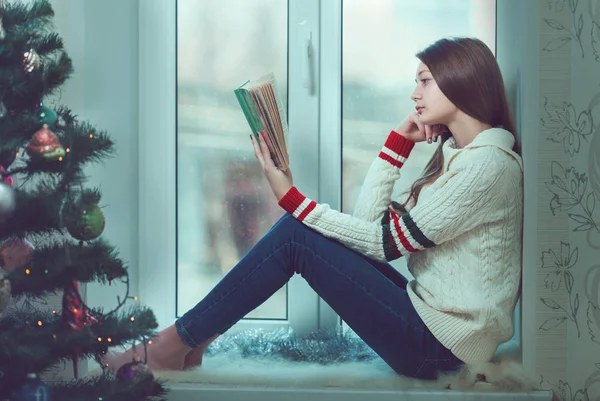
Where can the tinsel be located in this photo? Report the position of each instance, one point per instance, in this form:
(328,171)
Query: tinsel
(322,347)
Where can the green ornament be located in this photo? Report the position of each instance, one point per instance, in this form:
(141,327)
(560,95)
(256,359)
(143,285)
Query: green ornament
(88,225)
(47,116)
(55,154)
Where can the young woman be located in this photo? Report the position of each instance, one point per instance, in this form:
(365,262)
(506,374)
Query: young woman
(459,227)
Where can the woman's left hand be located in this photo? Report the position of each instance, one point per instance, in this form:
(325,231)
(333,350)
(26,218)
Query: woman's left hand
(280,181)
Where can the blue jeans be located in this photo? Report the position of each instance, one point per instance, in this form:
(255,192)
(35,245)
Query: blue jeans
(369,296)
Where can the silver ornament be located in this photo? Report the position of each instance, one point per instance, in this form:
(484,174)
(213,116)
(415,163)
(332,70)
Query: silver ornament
(31,60)
(2,31)
(8,200)
(60,123)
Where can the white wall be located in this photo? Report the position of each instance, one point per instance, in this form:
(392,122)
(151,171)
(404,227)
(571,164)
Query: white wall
(101,36)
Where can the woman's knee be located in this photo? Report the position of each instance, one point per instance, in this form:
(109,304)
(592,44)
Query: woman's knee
(284,229)
(287,222)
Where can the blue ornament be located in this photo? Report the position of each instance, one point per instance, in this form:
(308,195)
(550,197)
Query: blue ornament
(47,116)
(32,389)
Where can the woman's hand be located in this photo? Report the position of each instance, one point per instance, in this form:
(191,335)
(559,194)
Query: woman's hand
(413,129)
(280,181)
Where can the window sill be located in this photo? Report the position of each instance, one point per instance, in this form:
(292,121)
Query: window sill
(207,392)
(227,377)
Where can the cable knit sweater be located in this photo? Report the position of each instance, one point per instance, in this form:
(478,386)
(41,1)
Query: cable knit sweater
(462,239)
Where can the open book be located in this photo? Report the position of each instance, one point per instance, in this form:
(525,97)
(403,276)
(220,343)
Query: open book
(263,108)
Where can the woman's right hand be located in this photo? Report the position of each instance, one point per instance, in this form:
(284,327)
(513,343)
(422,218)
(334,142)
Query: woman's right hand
(413,129)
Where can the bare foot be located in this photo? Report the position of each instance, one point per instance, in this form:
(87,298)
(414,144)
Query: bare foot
(194,357)
(165,352)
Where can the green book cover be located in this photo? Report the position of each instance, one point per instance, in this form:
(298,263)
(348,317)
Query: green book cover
(249,108)
(263,109)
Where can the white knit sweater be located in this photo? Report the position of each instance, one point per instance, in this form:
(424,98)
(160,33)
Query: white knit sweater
(462,239)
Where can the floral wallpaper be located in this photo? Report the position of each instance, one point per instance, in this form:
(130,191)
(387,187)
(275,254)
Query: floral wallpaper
(568,311)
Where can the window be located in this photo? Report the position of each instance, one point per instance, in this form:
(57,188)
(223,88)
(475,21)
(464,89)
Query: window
(224,205)
(347,71)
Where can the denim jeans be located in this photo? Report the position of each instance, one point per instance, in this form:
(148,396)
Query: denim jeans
(370,296)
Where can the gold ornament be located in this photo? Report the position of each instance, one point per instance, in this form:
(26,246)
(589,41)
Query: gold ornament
(31,60)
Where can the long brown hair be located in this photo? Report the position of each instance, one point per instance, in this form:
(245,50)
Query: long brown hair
(468,74)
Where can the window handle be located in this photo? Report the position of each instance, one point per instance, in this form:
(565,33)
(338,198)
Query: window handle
(308,65)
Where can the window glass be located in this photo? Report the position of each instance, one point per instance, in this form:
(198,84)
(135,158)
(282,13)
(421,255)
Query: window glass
(224,204)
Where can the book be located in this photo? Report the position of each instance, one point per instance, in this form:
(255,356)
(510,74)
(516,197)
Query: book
(263,108)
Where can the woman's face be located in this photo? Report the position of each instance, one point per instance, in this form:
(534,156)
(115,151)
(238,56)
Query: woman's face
(432,106)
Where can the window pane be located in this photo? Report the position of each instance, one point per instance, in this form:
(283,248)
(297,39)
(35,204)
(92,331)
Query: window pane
(224,204)
(380,39)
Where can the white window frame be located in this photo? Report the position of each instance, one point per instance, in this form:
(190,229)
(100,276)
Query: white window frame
(310,113)
(157,186)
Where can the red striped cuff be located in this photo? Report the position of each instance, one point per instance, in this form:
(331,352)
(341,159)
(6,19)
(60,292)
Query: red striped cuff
(396,149)
(291,200)
(401,236)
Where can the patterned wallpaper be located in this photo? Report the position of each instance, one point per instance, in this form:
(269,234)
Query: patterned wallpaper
(568,270)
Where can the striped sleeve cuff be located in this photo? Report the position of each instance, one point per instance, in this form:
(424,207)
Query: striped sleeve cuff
(297,204)
(402,236)
(396,149)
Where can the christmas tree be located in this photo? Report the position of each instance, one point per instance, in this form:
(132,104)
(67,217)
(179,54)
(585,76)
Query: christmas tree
(51,225)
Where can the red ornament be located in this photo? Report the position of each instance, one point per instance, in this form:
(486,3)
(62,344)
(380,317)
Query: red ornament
(75,315)
(7,179)
(45,144)
(74,312)
(15,253)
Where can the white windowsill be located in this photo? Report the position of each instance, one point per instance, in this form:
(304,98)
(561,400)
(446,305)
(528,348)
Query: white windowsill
(207,392)
(229,377)
(363,387)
